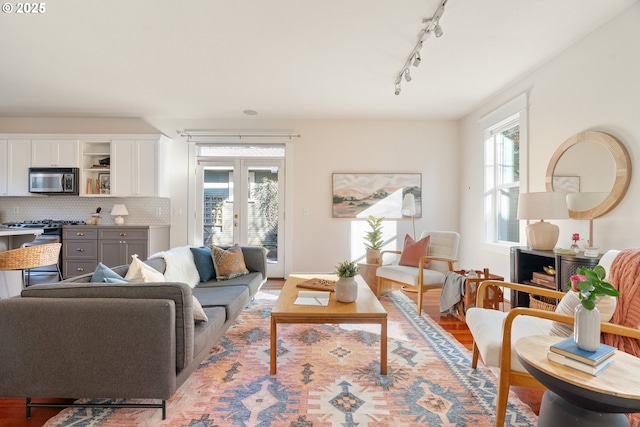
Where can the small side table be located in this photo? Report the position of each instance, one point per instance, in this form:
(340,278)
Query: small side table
(577,399)
(492,300)
(368,273)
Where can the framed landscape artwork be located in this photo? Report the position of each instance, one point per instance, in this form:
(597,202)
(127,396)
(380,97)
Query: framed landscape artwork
(358,195)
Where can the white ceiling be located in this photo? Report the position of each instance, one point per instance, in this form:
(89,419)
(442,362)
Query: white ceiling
(283,58)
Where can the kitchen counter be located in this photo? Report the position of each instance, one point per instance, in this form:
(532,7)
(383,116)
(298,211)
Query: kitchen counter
(12,238)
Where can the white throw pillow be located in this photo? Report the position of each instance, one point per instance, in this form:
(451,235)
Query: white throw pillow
(606,306)
(198,312)
(181,266)
(141,272)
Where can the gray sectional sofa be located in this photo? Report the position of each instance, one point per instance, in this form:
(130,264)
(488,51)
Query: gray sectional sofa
(77,339)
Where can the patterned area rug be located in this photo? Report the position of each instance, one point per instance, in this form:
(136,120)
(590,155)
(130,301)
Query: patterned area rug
(328,375)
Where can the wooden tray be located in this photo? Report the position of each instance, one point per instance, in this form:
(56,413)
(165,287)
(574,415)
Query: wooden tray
(318,284)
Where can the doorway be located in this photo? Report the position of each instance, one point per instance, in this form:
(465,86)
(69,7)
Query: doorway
(242,201)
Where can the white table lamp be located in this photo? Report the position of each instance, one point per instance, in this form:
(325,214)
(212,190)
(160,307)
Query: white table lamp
(409,209)
(119,211)
(540,206)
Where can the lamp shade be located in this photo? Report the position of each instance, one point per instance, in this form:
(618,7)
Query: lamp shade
(408,205)
(119,210)
(544,205)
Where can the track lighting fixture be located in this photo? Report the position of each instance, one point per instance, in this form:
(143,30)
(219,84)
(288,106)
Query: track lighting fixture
(431,25)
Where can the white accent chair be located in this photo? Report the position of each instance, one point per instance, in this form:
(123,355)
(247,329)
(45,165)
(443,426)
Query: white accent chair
(495,334)
(443,253)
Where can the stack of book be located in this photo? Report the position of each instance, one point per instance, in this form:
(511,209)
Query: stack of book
(544,279)
(567,353)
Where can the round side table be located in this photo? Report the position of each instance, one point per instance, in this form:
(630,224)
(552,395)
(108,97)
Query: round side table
(574,398)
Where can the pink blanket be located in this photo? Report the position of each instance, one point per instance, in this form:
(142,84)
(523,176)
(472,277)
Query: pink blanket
(625,276)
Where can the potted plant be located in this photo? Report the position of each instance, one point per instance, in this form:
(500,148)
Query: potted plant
(373,239)
(346,286)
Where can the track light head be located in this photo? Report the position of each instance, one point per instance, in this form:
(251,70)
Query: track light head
(416,59)
(407,75)
(437,30)
(397,92)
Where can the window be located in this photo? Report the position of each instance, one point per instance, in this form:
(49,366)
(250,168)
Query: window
(504,149)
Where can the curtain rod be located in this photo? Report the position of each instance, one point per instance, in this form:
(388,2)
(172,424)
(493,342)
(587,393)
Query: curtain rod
(190,134)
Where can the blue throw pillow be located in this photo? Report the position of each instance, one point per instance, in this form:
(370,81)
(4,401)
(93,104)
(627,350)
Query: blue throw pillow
(204,263)
(103,272)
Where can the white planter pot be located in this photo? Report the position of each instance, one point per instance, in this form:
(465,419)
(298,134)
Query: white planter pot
(586,328)
(346,289)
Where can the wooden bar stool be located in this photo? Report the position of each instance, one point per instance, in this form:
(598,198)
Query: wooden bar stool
(31,257)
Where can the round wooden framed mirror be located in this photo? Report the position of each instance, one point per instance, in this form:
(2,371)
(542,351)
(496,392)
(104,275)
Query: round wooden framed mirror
(591,162)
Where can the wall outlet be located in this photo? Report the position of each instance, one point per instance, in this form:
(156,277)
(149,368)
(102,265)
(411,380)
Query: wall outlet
(16,209)
(159,211)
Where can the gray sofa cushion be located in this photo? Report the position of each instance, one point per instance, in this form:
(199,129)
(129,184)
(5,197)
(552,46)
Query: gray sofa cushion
(233,298)
(252,280)
(207,333)
(180,293)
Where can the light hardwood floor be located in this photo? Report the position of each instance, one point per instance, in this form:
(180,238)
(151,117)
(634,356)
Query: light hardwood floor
(12,411)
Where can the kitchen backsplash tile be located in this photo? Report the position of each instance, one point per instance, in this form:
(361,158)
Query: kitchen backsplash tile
(142,210)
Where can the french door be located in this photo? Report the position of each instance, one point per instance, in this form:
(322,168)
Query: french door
(241,201)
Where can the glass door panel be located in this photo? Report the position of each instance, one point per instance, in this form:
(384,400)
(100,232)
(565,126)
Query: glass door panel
(257,219)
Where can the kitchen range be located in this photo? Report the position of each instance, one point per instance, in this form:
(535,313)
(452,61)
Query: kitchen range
(52,228)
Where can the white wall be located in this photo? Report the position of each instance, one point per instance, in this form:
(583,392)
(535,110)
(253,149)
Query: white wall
(318,241)
(593,85)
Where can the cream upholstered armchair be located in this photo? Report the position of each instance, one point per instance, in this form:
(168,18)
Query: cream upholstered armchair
(443,253)
(497,347)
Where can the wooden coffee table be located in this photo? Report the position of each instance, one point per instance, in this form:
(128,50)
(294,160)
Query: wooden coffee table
(366,309)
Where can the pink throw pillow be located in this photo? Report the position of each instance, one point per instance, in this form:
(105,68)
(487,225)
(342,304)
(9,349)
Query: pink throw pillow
(413,251)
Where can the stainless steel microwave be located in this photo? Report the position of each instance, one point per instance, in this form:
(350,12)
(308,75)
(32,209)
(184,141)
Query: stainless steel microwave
(53,181)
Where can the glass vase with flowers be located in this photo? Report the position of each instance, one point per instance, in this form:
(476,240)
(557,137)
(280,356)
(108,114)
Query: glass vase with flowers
(574,247)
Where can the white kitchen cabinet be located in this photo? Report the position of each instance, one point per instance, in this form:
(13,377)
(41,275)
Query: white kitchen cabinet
(15,158)
(54,153)
(135,168)
(3,167)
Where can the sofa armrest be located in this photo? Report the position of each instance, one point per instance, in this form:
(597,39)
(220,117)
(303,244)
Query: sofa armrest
(60,347)
(255,258)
